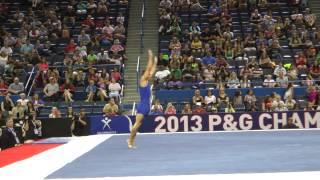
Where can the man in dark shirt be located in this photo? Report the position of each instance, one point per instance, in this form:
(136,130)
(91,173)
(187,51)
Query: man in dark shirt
(10,137)
(290,124)
(80,124)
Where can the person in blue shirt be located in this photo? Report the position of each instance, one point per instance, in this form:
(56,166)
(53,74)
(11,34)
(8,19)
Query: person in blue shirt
(208,59)
(91,91)
(143,107)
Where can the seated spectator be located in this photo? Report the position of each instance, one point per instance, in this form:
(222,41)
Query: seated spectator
(292,72)
(198,109)
(84,38)
(265,61)
(186,109)
(175,47)
(196,6)
(82,7)
(290,103)
(88,23)
(281,107)
(31,129)
(67,90)
(210,99)
(24,101)
(71,47)
(170,109)
(10,137)
(51,90)
(245,82)
(276,100)
(237,99)
(3,87)
(16,87)
(114,89)
(175,79)
(156,108)
(255,17)
(267,104)
(162,74)
(37,103)
(111,108)
(309,18)
(80,124)
(223,99)
(7,105)
(282,80)
(208,59)
(250,101)
(295,41)
(115,74)
(91,91)
(92,58)
(312,95)
(301,61)
(315,70)
(6,50)
(194,30)
(116,58)
(209,73)
(196,46)
(117,47)
(102,88)
(269,82)
(279,68)
(27,48)
(55,113)
(197,99)
(221,61)
(233,81)
(18,111)
(246,70)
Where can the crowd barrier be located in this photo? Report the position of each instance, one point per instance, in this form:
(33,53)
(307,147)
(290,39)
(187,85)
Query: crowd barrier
(206,122)
(188,123)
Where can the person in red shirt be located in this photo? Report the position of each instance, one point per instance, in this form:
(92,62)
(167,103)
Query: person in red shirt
(71,47)
(301,61)
(67,90)
(43,64)
(115,74)
(88,23)
(3,88)
(315,70)
(198,109)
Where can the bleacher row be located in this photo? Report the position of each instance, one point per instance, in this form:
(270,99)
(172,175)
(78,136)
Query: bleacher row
(241,27)
(53,48)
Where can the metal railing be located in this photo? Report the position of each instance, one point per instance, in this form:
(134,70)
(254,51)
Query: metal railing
(138,73)
(133,112)
(29,79)
(142,26)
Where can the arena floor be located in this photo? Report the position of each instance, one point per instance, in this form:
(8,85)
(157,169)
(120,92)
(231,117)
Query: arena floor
(205,155)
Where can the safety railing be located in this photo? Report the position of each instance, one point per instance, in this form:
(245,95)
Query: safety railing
(142,26)
(138,73)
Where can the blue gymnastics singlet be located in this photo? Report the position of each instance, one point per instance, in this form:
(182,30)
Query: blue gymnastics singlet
(144,105)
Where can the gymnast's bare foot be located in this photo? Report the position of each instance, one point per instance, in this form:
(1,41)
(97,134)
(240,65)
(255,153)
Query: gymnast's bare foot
(131,144)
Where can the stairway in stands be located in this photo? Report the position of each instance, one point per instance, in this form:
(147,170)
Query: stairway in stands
(315,8)
(133,44)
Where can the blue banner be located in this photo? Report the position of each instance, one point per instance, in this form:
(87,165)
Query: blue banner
(206,122)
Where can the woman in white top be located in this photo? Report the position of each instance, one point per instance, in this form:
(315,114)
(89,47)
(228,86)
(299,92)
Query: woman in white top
(114,88)
(210,99)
